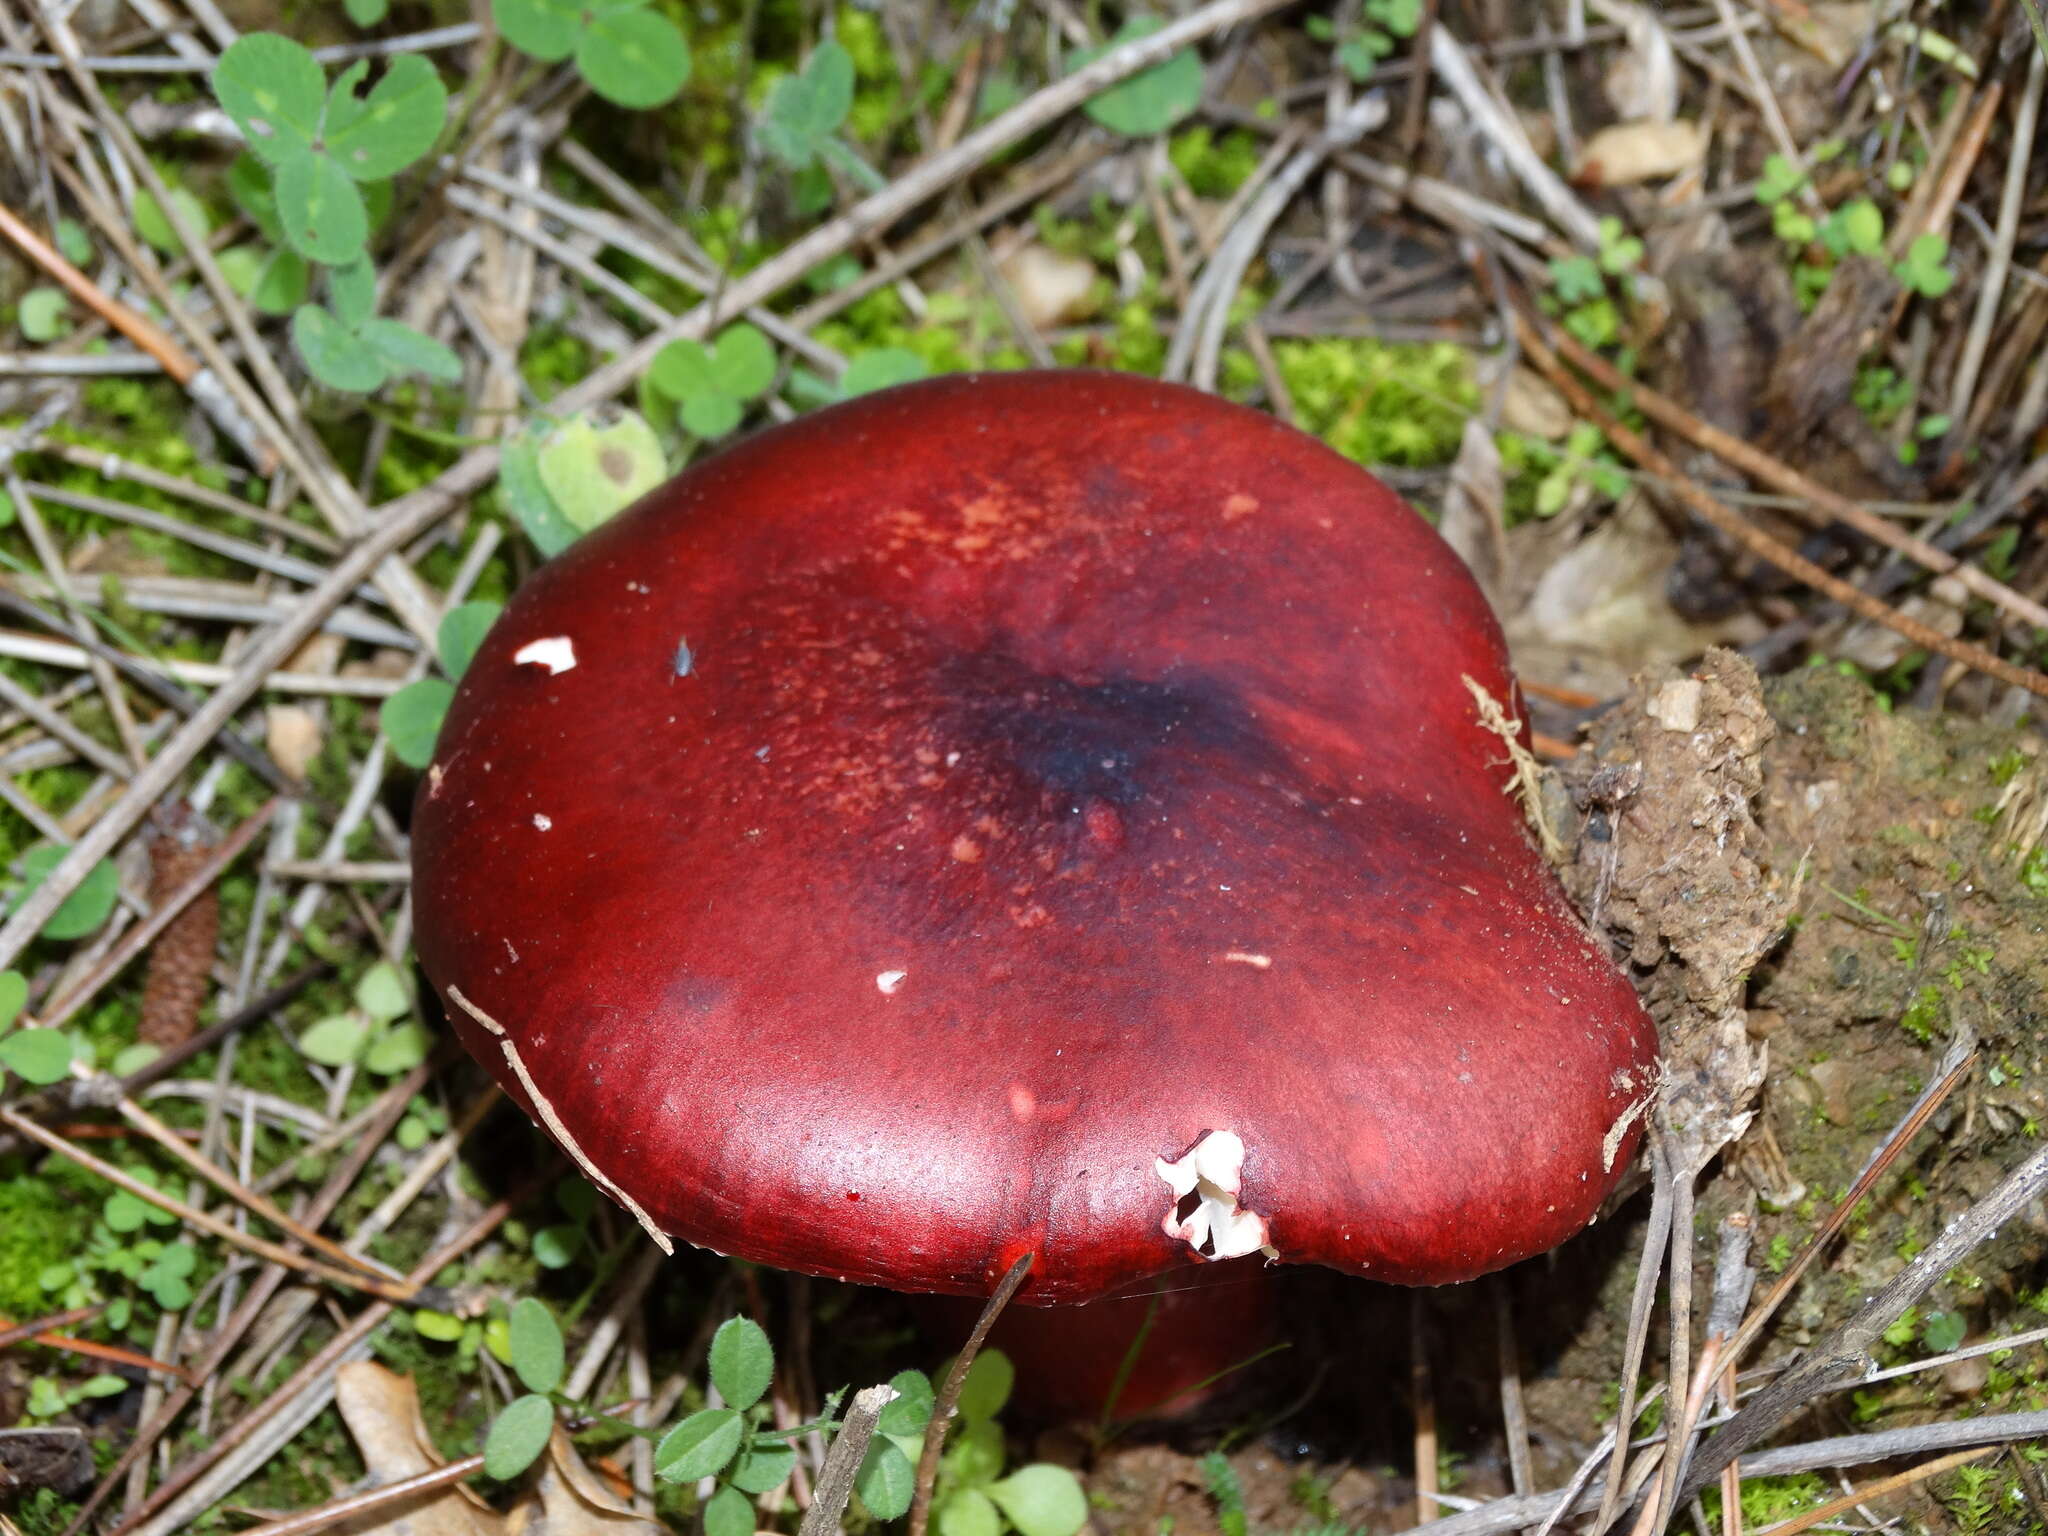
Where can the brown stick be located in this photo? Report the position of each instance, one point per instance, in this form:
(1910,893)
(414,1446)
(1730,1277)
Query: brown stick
(1884,1485)
(1755,540)
(308,1521)
(842,1462)
(1907,1129)
(949,1394)
(138,328)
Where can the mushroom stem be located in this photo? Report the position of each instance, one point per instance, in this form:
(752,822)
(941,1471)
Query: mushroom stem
(1157,1349)
(949,1394)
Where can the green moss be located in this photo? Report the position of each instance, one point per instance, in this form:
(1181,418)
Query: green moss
(42,1223)
(1380,402)
(1213,165)
(1767,1500)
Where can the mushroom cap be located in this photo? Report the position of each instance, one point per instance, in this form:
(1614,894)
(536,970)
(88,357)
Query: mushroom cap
(955,822)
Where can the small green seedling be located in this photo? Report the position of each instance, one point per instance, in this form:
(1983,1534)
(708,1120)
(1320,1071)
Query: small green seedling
(709,388)
(1387,24)
(1584,457)
(1854,229)
(1620,251)
(412,716)
(627,52)
(1924,271)
(1780,179)
(168,1279)
(39,1056)
(733,1444)
(800,125)
(44,314)
(973,1497)
(47,1400)
(1151,101)
(378,1032)
(347,347)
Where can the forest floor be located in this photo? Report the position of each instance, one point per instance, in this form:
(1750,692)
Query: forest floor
(1712,338)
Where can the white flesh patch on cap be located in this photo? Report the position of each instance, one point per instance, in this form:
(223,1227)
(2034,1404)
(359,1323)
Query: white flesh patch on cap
(1205,1214)
(553,1122)
(888,982)
(557,653)
(1617,1133)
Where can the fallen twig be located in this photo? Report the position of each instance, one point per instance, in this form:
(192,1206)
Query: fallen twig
(1775,472)
(1754,539)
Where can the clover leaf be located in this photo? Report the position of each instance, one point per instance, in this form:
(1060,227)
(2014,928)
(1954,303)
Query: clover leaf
(346,347)
(44,314)
(712,385)
(39,1056)
(376,136)
(883,368)
(1781,178)
(85,908)
(804,110)
(1152,100)
(627,53)
(275,91)
(320,143)
(595,465)
(1923,271)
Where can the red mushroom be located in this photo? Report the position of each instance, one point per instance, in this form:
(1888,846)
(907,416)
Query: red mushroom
(1033,812)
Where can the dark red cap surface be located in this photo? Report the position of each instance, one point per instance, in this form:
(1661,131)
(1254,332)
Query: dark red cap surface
(1067,767)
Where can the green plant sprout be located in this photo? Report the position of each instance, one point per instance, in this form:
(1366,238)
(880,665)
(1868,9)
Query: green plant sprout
(1854,229)
(315,153)
(972,1497)
(1151,101)
(709,388)
(1924,271)
(378,1032)
(1584,458)
(626,51)
(44,314)
(800,124)
(412,717)
(1387,23)
(46,1399)
(1780,179)
(348,347)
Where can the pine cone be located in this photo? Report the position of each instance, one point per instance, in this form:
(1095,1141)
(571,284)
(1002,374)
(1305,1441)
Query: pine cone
(180,972)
